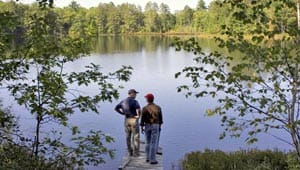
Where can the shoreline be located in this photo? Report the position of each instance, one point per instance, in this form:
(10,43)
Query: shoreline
(198,34)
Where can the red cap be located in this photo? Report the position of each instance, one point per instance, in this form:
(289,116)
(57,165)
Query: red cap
(149,96)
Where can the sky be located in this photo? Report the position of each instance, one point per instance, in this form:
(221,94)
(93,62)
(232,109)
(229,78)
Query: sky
(173,4)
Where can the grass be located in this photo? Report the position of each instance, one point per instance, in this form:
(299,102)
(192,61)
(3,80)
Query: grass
(240,160)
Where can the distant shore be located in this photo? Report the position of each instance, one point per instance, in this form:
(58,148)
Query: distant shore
(197,34)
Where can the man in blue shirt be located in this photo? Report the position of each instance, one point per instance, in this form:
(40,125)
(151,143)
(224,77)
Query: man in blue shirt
(131,109)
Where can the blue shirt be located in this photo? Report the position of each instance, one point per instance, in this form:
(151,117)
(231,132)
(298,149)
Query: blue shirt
(129,107)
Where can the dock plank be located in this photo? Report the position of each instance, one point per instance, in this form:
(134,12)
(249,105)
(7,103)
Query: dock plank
(139,163)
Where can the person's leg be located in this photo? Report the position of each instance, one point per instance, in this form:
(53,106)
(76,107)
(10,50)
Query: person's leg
(148,138)
(157,144)
(136,137)
(153,142)
(128,137)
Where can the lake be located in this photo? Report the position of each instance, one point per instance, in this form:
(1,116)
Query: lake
(155,63)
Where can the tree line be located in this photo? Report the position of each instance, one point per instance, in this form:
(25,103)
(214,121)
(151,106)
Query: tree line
(126,18)
(108,18)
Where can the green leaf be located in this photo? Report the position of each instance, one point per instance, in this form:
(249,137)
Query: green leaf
(209,112)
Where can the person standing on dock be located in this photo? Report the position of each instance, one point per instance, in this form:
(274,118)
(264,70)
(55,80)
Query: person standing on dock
(151,122)
(131,109)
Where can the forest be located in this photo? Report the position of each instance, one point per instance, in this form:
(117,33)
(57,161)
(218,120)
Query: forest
(108,18)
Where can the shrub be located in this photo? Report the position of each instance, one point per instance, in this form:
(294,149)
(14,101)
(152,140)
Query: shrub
(239,160)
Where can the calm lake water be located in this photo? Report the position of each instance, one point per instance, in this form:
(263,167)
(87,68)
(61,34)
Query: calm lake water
(185,127)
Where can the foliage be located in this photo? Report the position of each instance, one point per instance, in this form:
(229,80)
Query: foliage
(292,161)
(7,125)
(108,18)
(185,16)
(44,3)
(259,91)
(85,150)
(152,22)
(167,20)
(238,160)
(32,71)
(24,160)
(9,149)
(201,5)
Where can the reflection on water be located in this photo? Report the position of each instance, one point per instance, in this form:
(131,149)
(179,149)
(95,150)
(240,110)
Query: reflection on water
(185,127)
(125,44)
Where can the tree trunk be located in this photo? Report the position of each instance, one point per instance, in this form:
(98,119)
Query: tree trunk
(292,123)
(37,136)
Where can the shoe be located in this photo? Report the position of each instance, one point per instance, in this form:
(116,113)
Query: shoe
(155,162)
(147,160)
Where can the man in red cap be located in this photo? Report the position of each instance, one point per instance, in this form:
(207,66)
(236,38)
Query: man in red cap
(151,122)
(131,109)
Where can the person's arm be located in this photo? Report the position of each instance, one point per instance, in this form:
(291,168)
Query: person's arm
(143,117)
(138,110)
(138,113)
(118,109)
(160,117)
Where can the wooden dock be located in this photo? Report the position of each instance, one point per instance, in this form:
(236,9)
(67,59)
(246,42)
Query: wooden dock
(139,163)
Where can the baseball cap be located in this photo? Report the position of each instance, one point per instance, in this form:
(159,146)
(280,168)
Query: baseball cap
(132,91)
(149,96)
